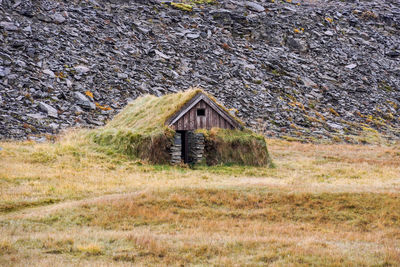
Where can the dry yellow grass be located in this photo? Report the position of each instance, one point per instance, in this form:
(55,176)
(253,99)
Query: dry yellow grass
(71,204)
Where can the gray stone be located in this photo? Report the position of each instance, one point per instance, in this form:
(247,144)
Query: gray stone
(77,109)
(52,112)
(393,54)
(59,18)
(294,44)
(248,57)
(54,126)
(351,66)
(254,6)
(83,101)
(68,82)
(4,71)
(193,36)
(27,29)
(36,116)
(161,54)
(8,26)
(308,82)
(49,72)
(196,147)
(176,149)
(335,126)
(122,76)
(81,69)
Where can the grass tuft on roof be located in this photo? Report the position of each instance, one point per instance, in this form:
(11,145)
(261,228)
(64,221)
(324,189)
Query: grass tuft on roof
(148,114)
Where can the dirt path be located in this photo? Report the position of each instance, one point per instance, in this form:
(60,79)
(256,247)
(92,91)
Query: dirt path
(43,211)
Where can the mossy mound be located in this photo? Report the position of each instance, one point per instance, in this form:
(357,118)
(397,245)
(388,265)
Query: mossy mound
(141,131)
(242,147)
(153,148)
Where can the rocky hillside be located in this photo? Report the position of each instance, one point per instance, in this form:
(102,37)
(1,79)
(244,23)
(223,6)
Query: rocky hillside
(308,70)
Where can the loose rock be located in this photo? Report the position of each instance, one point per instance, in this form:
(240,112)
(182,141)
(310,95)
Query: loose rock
(310,71)
(52,112)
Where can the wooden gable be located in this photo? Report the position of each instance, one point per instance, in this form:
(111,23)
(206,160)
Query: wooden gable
(202,113)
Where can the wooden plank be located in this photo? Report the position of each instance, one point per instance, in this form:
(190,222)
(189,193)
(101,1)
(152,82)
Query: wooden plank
(216,119)
(193,119)
(205,115)
(209,118)
(186,121)
(204,106)
(179,124)
(190,114)
(213,120)
(198,119)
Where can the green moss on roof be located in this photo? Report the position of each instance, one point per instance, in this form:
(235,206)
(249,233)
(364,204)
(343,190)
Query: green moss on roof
(148,114)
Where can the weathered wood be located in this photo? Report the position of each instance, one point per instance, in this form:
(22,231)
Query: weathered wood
(221,112)
(192,115)
(186,121)
(212,118)
(191,121)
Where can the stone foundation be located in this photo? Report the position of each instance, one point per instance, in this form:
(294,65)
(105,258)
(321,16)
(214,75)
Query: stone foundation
(196,148)
(176,149)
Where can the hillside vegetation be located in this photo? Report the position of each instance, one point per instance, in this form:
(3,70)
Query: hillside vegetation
(72,204)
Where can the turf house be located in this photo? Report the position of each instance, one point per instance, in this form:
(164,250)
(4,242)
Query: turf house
(186,127)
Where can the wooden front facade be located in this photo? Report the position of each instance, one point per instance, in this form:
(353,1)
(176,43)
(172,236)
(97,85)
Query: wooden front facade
(196,119)
(202,113)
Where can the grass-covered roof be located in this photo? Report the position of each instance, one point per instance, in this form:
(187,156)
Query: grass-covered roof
(148,114)
(141,130)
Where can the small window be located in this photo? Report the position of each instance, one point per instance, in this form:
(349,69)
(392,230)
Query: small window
(201,112)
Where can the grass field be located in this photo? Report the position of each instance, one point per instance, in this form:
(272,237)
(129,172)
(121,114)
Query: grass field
(327,205)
